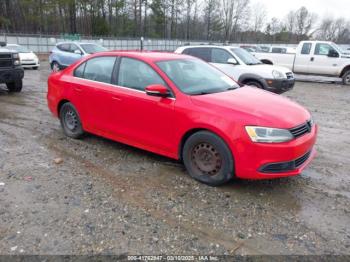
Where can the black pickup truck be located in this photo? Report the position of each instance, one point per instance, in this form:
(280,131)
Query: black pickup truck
(11,72)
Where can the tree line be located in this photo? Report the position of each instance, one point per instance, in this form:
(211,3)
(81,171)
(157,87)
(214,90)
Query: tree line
(212,20)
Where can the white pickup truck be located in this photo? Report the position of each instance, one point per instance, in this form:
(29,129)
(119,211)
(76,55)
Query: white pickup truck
(313,58)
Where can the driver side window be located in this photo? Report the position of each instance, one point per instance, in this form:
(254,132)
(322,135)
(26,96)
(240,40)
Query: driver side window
(323,49)
(137,75)
(219,56)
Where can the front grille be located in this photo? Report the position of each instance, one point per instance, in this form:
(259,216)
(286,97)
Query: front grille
(5,63)
(285,166)
(5,56)
(290,75)
(302,129)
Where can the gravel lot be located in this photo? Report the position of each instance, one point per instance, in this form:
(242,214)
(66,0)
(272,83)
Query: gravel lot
(109,198)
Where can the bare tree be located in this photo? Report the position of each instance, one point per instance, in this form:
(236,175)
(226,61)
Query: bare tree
(304,22)
(258,14)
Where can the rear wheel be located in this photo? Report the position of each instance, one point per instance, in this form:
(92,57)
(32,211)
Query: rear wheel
(208,159)
(70,121)
(15,86)
(346,78)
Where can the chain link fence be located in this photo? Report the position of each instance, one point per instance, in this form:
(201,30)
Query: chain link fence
(45,43)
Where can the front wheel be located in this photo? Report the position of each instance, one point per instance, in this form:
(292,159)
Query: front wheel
(15,86)
(346,78)
(208,159)
(70,121)
(255,84)
(55,67)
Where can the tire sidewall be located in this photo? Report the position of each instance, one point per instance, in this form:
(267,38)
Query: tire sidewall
(79,130)
(347,74)
(255,84)
(15,87)
(226,172)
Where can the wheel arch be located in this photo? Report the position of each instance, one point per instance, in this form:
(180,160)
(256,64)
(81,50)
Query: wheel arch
(252,78)
(345,69)
(266,61)
(192,131)
(60,104)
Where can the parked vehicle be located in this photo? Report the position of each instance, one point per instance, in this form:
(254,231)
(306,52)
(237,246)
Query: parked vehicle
(255,48)
(313,57)
(28,58)
(11,72)
(281,50)
(65,54)
(243,67)
(183,108)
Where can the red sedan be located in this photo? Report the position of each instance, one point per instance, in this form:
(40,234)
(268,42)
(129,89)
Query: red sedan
(183,108)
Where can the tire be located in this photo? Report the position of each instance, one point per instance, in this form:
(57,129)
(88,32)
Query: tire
(346,78)
(70,121)
(254,84)
(35,68)
(15,86)
(208,159)
(55,67)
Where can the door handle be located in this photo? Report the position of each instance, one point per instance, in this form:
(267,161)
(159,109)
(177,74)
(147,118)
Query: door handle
(312,59)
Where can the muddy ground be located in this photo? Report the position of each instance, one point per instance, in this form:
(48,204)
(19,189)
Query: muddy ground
(109,198)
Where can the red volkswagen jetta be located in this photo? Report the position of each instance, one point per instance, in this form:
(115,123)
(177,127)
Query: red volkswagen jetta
(183,108)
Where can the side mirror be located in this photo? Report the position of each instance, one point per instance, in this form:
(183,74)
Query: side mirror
(157,90)
(78,52)
(333,53)
(232,61)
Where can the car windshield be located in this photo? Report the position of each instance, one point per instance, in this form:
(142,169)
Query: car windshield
(195,77)
(92,48)
(19,49)
(245,56)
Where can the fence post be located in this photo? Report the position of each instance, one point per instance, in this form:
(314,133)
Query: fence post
(141,43)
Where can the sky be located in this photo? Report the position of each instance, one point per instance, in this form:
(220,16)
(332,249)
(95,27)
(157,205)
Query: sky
(280,8)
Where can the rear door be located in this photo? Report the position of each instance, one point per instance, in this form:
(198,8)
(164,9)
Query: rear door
(303,59)
(94,94)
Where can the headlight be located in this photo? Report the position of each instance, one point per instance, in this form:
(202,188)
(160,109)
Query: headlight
(268,135)
(15,56)
(278,75)
(16,62)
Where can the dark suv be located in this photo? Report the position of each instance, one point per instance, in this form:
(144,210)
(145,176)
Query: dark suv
(11,72)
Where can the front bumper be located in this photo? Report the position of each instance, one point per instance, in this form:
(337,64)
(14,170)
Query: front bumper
(280,85)
(30,64)
(9,75)
(253,157)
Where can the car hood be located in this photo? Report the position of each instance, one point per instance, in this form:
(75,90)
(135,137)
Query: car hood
(260,107)
(24,56)
(267,69)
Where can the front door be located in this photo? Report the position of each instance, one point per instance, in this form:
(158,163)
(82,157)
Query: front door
(321,63)
(142,119)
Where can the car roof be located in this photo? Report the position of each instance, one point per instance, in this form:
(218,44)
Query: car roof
(146,55)
(208,46)
(75,42)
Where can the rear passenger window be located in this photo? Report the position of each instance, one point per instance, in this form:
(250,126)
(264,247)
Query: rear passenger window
(220,56)
(64,47)
(97,69)
(202,53)
(306,49)
(137,75)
